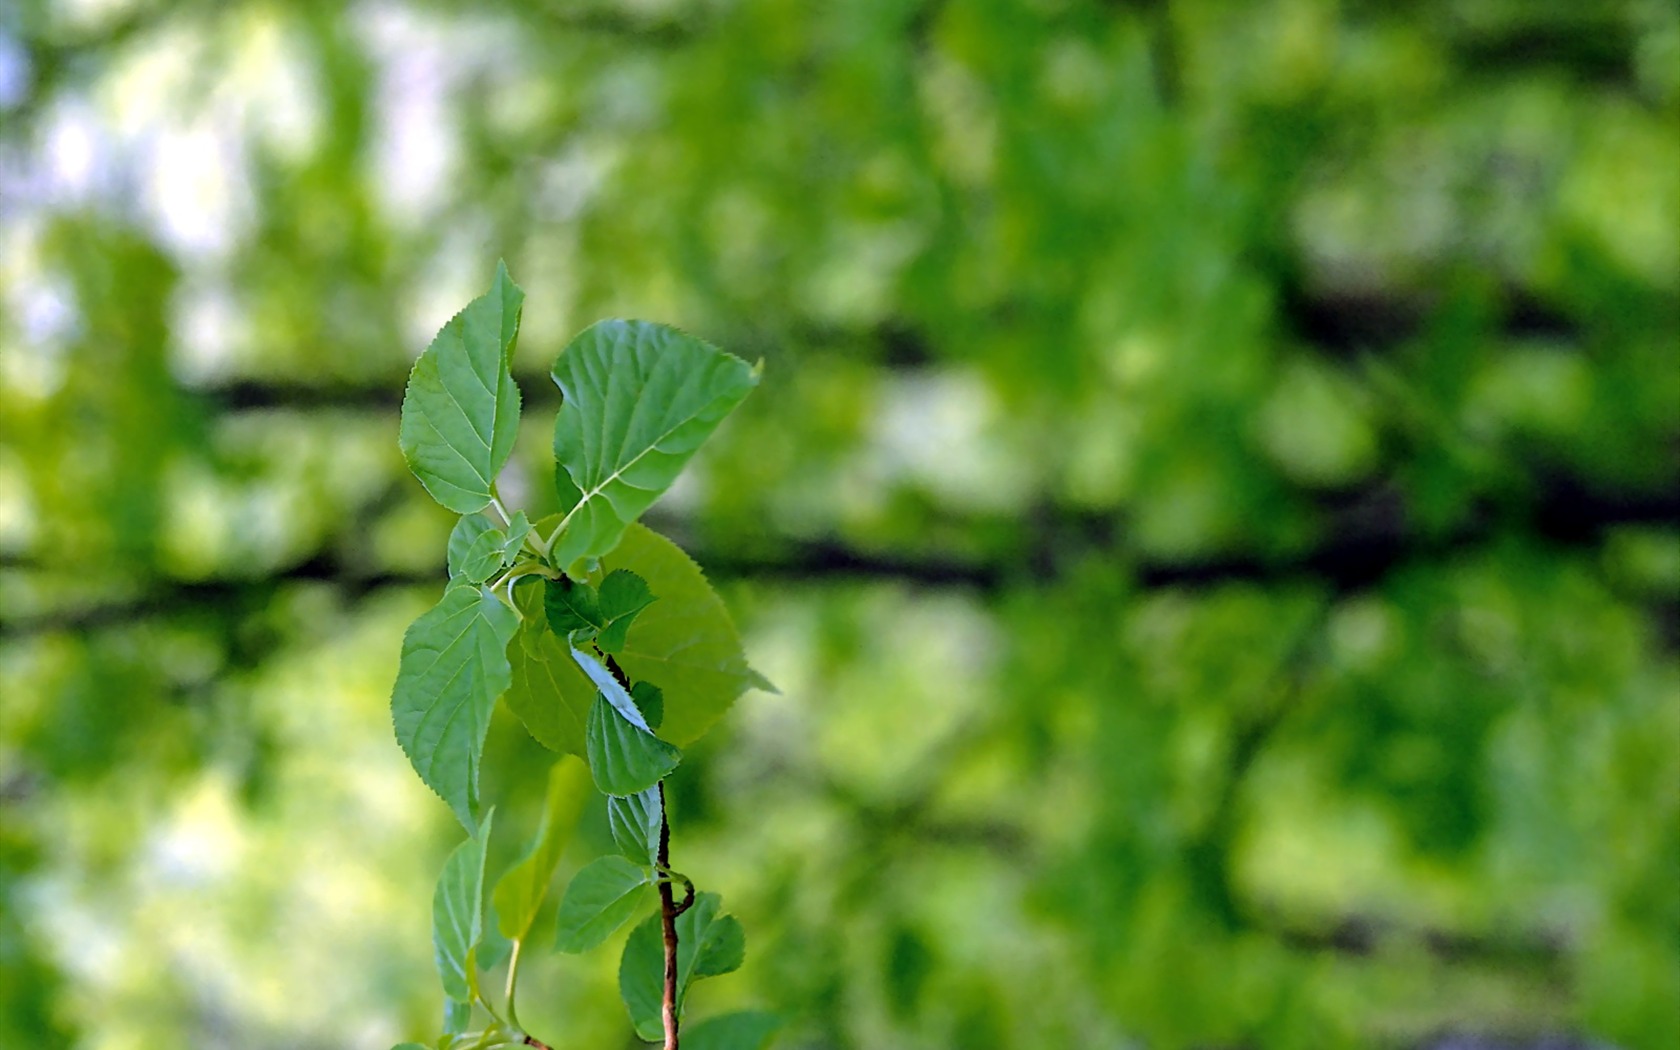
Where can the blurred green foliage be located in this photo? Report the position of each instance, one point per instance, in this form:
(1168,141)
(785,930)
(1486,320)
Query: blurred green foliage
(1210,509)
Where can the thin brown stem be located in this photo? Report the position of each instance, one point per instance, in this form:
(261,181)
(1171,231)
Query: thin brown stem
(669,909)
(668,913)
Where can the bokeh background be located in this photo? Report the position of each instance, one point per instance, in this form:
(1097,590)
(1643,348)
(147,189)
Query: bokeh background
(1212,509)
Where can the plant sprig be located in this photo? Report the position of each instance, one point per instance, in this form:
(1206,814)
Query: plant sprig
(600,635)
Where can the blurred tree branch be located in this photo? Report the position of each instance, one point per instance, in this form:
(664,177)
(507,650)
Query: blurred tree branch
(1363,547)
(1336,323)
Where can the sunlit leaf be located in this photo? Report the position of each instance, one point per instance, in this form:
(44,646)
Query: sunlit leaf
(638,400)
(458,915)
(460,412)
(550,693)
(520,892)
(650,701)
(601,898)
(454,665)
(684,642)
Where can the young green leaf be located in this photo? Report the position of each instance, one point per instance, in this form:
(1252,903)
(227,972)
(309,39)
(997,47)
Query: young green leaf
(623,595)
(638,399)
(600,899)
(517,529)
(454,665)
(550,693)
(635,821)
(458,915)
(519,894)
(685,642)
(641,970)
(475,549)
(571,605)
(743,1030)
(460,412)
(625,759)
(409,1046)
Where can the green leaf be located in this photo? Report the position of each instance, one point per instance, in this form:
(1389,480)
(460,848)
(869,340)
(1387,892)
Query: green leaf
(723,948)
(458,916)
(685,642)
(641,970)
(635,821)
(460,412)
(641,977)
(409,1046)
(518,528)
(650,701)
(610,688)
(625,759)
(638,399)
(571,605)
(454,665)
(520,892)
(494,949)
(743,1030)
(457,1016)
(475,549)
(623,595)
(549,693)
(601,898)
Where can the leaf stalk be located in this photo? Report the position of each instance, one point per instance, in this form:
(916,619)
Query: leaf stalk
(513,983)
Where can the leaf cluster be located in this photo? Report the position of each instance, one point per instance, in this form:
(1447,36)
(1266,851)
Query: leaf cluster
(600,635)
